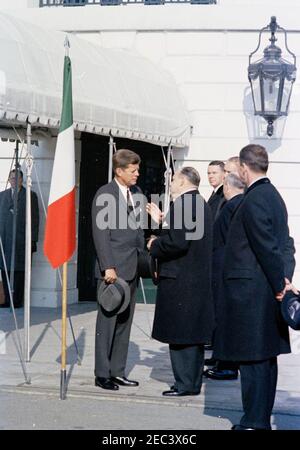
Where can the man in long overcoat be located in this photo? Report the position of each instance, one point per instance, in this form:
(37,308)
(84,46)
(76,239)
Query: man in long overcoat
(258,267)
(233,192)
(7,212)
(184,312)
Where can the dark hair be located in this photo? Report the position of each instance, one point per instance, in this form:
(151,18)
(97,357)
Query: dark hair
(14,171)
(217,163)
(122,158)
(191,174)
(255,157)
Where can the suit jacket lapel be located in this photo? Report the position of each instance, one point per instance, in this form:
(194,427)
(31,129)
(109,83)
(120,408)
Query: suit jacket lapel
(122,205)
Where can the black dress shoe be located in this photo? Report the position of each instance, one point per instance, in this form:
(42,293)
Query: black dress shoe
(106,383)
(123,381)
(4,305)
(216,374)
(241,428)
(174,393)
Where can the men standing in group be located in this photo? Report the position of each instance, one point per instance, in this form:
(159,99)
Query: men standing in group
(184,313)
(215,174)
(257,273)
(117,245)
(13,202)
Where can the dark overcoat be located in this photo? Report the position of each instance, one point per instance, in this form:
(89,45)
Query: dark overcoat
(220,231)
(258,255)
(184,312)
(6,226)
(216,202)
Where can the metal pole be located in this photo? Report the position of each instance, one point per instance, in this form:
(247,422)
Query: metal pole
(27,286)
(167,182)
(17,343)
(64,335)
(111,152)
(145,301)
(15,214)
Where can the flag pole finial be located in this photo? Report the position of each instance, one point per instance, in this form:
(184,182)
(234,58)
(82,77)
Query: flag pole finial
(67,45)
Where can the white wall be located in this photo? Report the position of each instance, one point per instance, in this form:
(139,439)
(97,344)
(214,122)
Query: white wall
(210,68)
(206,49)
(17,4)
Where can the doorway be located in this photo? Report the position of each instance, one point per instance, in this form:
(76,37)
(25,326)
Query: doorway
(93,174)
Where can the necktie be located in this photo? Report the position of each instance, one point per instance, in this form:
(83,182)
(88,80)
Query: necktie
(130,206)
(212,196)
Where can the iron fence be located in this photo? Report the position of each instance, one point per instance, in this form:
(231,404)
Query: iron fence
(44,3)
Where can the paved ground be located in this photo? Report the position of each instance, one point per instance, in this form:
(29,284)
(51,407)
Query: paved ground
(37,405)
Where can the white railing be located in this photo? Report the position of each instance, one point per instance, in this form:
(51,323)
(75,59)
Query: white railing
(44,3)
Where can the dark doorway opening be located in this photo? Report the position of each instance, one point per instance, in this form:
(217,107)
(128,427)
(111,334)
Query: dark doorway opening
(93,174)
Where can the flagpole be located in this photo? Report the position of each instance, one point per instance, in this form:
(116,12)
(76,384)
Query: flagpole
(60,230)
(63,386)
(64,334)
(28,249)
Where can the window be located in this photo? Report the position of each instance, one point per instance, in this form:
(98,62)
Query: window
(74,2)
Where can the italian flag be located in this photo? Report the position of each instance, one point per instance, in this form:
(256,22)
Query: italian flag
(60,233)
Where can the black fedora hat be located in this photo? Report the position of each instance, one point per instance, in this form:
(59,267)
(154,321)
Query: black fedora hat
(114,298)
(290,309)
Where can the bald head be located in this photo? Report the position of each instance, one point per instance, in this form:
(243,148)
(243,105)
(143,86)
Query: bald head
(232,165)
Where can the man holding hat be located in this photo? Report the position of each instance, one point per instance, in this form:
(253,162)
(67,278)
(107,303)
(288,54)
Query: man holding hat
(118,239)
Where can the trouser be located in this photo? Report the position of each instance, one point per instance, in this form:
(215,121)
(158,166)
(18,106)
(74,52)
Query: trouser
(187,364)
(18,297)
(112,339)
(258,384)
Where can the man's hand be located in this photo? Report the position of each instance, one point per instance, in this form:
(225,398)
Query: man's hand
(110,276)
(288,287)
(154,212)
(149,243)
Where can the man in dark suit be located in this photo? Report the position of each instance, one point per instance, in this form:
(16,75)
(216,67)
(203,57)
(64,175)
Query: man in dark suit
(184,313)
(7,212)
(233,192)
(258,267)
(117,244)
(215,174)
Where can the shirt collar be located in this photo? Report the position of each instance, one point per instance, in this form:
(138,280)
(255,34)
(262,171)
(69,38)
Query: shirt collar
(218,187)
(259,178)
(123,189)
